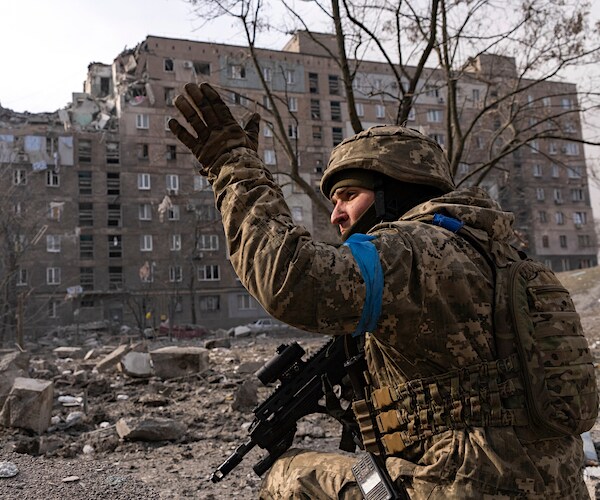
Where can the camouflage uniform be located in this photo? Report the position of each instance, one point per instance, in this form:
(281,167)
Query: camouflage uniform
(437,301)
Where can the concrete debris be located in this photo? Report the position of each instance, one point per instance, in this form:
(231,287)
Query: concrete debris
(29,405)
(246,397)
(173,362)
(136,364)
(13,364)
(150,429)
(113,359)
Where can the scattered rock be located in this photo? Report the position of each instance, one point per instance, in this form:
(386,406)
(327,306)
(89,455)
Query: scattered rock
(8,469)
(112,360)
(215,343)
(249,367)
(69,352)
(246,397)
(150,429)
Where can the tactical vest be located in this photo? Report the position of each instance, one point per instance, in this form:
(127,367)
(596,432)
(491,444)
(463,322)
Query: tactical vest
(543,383)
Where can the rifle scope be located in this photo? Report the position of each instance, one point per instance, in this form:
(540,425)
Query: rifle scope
(286,358)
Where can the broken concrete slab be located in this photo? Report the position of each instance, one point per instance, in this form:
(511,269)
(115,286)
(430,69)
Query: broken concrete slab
(150,429)
(111,361)
(29,404)
(13,364)
(173,361)
(136,364)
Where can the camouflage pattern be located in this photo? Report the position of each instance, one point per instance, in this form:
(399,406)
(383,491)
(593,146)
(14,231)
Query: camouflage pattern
(398,152)
(436,316)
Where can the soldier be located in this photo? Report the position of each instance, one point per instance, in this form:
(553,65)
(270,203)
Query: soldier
(450,415)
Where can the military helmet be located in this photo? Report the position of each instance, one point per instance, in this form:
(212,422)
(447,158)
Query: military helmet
(397,152)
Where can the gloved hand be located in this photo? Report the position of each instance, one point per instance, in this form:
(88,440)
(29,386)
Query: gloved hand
(217,130)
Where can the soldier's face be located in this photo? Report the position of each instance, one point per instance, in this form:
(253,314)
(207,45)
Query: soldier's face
(349,203)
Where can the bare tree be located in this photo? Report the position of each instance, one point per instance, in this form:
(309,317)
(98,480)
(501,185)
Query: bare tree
(440,45)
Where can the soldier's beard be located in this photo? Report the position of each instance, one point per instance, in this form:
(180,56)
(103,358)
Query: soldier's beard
(363,224)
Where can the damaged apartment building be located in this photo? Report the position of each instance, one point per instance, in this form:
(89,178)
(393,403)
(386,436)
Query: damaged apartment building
(106,219)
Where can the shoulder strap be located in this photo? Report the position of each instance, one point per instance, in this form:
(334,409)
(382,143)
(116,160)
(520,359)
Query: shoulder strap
(367,258)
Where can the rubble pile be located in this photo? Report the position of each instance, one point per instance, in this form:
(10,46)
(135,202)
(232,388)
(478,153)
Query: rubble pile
(164,414)
(120,417)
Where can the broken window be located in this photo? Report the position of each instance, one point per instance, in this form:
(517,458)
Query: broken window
(237,71)
(209,272)
(104,86)
(202,68)
(317,133)
(168,64)
(113,183)
(84,150)
(171,153)
(115,246)
(19,177)
(86,246)
(169,96)
(313,83)
(112,153)
(86,214)
(52,178)
(336,111)
(334,85)
(337,135)
(142,151)
(174,212)
(175,274)
(115,277)
(86,278)
(114,215)
(85,182)
(209,303)
(55,210)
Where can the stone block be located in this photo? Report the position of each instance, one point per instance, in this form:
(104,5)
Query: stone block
(136,364)
(173,361)
(150,429)
(29,404)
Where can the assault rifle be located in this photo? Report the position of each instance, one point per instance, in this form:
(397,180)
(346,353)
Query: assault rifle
(301,387)
(298,395)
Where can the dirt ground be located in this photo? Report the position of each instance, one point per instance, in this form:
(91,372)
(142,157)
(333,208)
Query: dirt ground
(82,457)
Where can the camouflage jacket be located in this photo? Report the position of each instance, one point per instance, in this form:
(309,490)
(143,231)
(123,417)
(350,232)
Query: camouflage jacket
(436,310)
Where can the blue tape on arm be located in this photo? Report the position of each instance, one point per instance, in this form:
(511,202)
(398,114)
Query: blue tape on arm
(367,258)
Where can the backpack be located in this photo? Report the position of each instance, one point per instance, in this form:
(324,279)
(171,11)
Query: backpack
(536,318)
(557,370)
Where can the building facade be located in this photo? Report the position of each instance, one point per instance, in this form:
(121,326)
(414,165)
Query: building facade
(111,222)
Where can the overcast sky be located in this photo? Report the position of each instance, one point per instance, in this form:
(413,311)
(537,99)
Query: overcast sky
(46,45)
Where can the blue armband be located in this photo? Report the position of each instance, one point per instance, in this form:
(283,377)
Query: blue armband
(367,258)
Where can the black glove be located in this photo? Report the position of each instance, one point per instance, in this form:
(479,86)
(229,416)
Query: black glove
(217,130)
